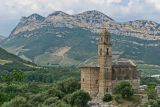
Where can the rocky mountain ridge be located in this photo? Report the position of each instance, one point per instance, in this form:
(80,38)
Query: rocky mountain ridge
(92,20)
(63,39)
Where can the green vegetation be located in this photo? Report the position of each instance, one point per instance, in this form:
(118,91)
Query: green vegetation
(78,98)
(45,41)
(153,101)
(151,91)
(107,97)
(38,86)
(147,70)
(124,88)
(15,91)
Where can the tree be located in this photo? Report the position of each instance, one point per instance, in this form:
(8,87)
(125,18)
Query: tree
(55,93)
(18,101)
(151,92)
(118,99)
(51,100)
(79,98)
(107,97)
(151,103)
(17,76)
(146,80)
(125,89)
(68,85)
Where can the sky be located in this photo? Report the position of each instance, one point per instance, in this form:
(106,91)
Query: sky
(120,10)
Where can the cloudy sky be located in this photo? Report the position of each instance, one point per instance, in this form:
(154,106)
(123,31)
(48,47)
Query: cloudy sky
(120,10)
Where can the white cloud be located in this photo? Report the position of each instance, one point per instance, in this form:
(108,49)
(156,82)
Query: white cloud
(155,4)
(121,10)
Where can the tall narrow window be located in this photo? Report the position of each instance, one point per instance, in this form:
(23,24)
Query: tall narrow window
(96,81)
(107,90)
(101,39)
(107,51)
(100,52)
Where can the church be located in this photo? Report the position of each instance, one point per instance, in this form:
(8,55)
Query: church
(106,75)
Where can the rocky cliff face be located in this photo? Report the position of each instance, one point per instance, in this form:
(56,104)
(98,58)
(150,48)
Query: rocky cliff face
(92,20)
(29,23)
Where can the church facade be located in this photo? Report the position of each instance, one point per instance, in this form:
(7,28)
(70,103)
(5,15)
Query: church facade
(106,75)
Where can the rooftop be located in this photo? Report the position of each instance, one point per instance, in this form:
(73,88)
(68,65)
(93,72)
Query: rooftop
(128,63)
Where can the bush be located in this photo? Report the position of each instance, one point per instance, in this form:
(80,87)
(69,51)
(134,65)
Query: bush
(55,93)
(107,97)
(79,98)
(118,98)
(68,86)
(125,89)
(51,100)
(18,101)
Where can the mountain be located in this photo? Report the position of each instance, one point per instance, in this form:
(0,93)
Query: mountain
(10,62)
(66,39)
(1,38)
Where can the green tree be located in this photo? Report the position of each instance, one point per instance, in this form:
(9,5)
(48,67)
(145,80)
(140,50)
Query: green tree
(125,89)
(151,91)
(55,93)
(17,76)
(79,98)
(118,98)
(151,103)
(146,80)
(68,85)
(107,97)
(18,101)
(151,86)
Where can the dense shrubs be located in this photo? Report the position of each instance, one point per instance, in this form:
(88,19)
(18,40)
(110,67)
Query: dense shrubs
(107,97)
(64,93)
(118,98)
(79,98)
(124,88)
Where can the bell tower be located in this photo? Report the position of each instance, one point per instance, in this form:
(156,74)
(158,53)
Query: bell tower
(105,63)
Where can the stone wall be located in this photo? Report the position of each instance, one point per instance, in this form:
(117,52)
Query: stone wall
(90,80)
(126,73)
(134,82)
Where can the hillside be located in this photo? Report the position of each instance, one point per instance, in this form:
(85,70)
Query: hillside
(10,62)
(1,38)
(63,39)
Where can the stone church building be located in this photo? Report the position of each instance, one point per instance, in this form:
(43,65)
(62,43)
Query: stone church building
(104,77)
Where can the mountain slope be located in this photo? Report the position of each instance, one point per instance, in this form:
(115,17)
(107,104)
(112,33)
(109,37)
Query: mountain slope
(1,38)
(66,39)
(9,62)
